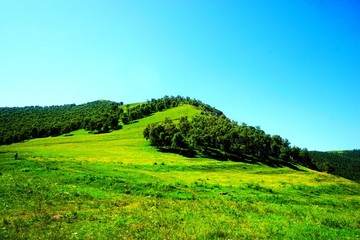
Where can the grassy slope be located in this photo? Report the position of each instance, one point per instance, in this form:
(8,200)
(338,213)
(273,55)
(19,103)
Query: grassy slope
(107,186)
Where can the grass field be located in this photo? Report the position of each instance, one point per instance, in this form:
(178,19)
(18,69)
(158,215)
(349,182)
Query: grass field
(116,186)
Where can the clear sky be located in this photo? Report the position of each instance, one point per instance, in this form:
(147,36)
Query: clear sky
(290,67)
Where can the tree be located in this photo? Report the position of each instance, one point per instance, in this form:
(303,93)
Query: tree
(276,143)
(184,125)
(327,167)
(179,142)
(55,130)
(66,129)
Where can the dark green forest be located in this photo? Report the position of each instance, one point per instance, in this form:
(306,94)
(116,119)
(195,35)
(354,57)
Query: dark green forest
(209,134)
(216,136)
(345,163)
(19,124)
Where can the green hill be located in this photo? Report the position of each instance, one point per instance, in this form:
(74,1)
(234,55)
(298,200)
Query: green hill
(116,185)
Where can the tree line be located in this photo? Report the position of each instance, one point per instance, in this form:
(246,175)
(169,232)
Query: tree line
(345,164)
(215,135)
(21,123)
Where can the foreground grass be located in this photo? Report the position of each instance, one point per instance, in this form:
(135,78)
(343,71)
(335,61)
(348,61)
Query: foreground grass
(115,186)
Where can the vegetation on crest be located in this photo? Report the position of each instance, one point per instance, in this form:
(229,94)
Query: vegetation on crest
(157,105)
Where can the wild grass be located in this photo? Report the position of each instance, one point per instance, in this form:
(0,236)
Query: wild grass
(116,186)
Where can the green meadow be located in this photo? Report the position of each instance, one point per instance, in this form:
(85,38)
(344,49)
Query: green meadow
(117,186)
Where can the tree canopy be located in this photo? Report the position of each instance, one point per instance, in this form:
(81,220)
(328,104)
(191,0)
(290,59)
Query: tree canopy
(18,124)
(345,163)
(211,135)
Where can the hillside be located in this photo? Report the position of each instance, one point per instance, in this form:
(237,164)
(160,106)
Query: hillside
(117,186)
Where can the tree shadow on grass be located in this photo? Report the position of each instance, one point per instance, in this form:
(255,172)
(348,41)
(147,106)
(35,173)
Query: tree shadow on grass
(217,155)
(182,152)
(275,163)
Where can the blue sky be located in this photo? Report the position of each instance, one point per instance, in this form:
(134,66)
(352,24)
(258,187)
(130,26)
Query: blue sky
(290,67)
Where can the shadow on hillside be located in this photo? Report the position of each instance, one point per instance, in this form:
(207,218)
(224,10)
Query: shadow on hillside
(214,154)
(185,153)
(274,163)
(280,163)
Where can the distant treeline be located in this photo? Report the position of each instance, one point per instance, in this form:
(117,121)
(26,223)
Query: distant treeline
(19,124)
(22,123)
(215,135)
(345,164)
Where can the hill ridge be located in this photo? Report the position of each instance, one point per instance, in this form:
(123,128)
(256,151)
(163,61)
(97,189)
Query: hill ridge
(103,116)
